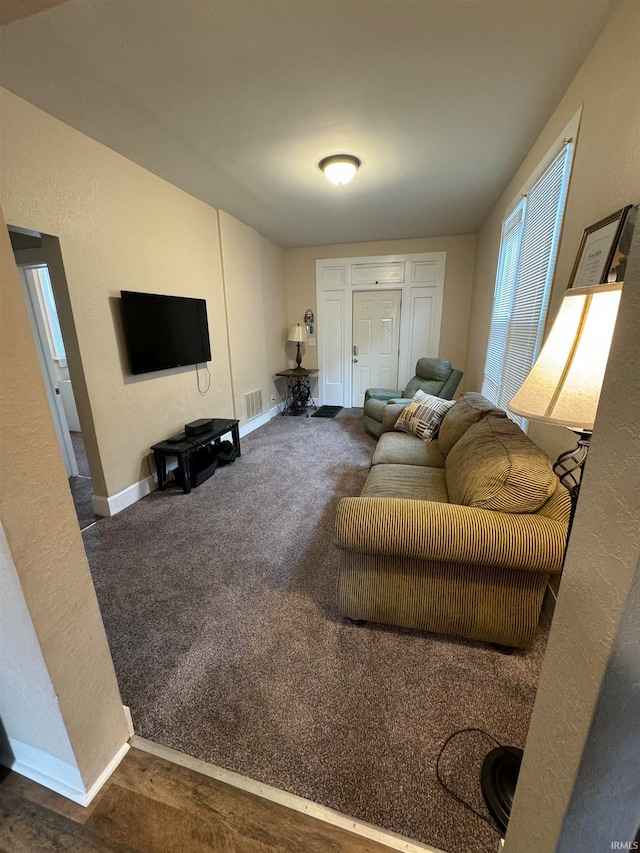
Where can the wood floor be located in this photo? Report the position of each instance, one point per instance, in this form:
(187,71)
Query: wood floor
(154,806)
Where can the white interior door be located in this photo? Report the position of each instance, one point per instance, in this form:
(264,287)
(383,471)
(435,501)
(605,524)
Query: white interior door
(376,338)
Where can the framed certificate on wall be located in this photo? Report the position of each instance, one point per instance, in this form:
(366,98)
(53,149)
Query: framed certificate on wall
(597,249)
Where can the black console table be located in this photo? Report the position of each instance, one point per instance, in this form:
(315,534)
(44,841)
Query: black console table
(184,447)
(298,390)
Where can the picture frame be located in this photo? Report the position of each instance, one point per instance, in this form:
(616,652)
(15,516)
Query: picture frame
(597,250)
(618,265)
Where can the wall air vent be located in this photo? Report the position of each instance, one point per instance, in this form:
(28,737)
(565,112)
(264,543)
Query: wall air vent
(253,404)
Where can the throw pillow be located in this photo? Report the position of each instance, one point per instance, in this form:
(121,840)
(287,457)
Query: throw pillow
(495,466)
(423,416)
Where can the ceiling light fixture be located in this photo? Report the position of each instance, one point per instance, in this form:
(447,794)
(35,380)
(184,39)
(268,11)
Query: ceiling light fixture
(340,168)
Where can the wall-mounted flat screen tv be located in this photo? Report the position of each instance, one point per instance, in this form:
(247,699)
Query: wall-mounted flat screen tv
(164,331)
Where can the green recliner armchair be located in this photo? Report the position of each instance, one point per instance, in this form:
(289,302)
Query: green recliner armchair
(433,376)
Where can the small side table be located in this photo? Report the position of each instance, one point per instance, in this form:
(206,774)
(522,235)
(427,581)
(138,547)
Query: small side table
(298,390)
(189,444)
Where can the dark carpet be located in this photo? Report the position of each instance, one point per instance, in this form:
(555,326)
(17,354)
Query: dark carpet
(220,612)
(79,451)
(326,412)
(82,486)
(82,492)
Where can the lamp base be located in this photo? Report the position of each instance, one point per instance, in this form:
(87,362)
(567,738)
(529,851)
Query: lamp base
(569,466)
(498,780)
(298,355)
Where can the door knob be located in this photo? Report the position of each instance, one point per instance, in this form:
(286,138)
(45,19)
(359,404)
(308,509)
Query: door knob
(355,360)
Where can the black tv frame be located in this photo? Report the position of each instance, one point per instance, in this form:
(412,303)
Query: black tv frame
(163,331)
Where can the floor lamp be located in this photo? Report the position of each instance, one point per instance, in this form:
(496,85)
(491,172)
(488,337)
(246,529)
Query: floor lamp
(562,388)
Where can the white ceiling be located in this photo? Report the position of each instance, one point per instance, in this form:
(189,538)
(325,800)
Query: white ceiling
(236,101)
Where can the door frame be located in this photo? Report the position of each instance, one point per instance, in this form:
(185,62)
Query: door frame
(44,357)
(339,278)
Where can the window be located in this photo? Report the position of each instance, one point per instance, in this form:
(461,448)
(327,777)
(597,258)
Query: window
(528,248)
(41,281)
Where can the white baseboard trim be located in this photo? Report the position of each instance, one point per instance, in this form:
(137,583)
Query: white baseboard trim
(43,768)
(106,773)
(359,827)
(261,420)
(55,774)
(129,719)
(109,506)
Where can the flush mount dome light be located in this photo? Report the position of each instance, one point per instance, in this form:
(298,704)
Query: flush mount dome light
(340,168)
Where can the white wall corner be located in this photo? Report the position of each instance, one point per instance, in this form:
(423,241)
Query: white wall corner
(106,774)
(43,768)
(54,774)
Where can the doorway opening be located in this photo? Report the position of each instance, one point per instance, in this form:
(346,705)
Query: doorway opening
(36,278)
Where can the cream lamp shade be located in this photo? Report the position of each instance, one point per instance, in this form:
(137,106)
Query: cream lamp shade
(563,386)
(298,334)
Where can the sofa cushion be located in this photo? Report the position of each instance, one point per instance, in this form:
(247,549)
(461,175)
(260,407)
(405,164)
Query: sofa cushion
(470,408)
(495,466)
(423,415)
(396,447)
(411,482)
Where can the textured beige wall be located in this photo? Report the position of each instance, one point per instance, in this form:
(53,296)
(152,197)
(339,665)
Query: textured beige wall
(274,313)
(120,227)
(601,798)
(254,288)
(36,511)
(301,286)
(605,177)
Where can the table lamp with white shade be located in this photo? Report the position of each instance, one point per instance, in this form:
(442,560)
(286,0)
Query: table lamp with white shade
(298,334)
(562,388)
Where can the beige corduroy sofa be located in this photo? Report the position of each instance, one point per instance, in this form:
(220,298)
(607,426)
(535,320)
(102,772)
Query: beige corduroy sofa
(458,535)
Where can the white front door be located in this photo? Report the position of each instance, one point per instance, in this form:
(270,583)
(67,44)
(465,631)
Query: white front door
(376,337)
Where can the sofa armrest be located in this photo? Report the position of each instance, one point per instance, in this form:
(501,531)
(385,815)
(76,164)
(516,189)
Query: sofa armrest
(390,415)
(429,530)
(382,393)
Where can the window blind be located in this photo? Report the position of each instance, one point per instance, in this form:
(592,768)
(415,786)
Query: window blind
(502,299)
(528,249)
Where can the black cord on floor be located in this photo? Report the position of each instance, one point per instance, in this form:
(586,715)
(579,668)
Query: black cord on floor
(451,793)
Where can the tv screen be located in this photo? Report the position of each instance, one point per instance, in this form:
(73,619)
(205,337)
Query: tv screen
(164,331)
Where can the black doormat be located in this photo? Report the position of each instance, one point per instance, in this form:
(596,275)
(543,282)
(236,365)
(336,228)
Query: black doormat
(326,412)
